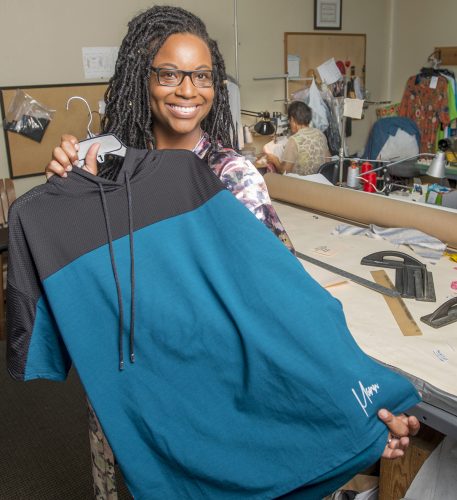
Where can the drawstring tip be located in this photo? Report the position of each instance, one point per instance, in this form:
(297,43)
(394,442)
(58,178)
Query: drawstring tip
(121,365)
(132,357)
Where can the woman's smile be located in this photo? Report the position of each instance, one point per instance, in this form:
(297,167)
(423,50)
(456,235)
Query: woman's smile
(183,111)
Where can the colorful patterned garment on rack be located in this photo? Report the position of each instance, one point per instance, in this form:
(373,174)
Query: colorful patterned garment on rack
(427,106)
(227,397)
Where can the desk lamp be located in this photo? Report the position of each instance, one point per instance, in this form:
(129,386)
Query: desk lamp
(264,126)
(438,166)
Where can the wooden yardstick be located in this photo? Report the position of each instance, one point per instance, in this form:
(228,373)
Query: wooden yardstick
(397,307)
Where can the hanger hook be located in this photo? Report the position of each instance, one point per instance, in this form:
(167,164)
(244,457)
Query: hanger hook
(89,132)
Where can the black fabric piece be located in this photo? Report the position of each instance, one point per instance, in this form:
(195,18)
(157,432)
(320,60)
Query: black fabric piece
(20,311)
(348,127)
(111,167)
(427,72)
(332,132)
(29,126)
(349,495)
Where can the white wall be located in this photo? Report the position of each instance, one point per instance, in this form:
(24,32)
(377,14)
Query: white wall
(41,40)
(419,27)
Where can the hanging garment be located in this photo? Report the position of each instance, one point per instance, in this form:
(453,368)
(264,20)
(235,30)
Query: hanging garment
(333,131)
(235,110)
(425,101)
(315,99)
(444,132)
(165,274)
(400,145)
(316,103)
(385,128)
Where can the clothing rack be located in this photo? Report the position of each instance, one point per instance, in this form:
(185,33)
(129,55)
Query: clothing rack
(434,59)
(435,84)
(435,69)
(285,77)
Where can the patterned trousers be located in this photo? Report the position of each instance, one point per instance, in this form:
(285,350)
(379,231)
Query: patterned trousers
(102,460)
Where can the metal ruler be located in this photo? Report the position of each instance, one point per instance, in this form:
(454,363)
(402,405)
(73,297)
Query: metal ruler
(352,277)
(397,307)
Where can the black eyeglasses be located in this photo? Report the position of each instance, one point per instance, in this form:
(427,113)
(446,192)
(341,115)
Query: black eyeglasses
(202,78)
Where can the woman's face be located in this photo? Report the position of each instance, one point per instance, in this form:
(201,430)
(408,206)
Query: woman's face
(178,111)
(293,126)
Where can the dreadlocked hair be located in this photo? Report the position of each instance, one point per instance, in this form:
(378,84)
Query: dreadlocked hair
(128,112)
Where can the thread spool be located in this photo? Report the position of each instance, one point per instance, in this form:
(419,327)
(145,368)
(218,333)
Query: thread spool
(353,173)
(370,182)
(366,167)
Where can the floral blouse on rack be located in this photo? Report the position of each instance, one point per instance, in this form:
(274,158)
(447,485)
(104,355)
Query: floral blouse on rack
(425,101)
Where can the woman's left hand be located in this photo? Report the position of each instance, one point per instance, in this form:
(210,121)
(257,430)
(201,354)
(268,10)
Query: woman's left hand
(400,428)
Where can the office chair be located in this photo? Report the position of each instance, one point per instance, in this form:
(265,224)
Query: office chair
(405,170)
(330,170)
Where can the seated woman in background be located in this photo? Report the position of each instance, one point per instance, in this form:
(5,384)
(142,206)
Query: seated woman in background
(307,149)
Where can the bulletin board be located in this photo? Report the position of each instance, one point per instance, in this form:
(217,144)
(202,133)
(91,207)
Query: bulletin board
(27,157)
(313,49)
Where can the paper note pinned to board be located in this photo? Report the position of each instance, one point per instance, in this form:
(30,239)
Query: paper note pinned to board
(329,71)
(353,108)
(99,62)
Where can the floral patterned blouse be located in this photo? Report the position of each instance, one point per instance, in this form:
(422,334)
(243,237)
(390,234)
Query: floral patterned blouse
(425,101)
(245,182)
(307,150)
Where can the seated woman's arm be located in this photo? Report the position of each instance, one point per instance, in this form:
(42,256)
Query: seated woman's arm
(283,167)
(289,157)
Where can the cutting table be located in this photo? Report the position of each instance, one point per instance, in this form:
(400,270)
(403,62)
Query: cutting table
(428,360)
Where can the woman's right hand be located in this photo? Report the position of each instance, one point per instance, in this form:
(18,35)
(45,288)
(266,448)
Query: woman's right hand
(66,155)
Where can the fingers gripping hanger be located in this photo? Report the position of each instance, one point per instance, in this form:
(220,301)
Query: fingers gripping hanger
(109,143)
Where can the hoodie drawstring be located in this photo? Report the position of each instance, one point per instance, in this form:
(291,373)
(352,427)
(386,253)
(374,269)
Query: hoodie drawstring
(132,270)
(116,275)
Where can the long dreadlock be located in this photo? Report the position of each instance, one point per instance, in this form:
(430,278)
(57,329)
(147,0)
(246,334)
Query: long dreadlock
(128,112)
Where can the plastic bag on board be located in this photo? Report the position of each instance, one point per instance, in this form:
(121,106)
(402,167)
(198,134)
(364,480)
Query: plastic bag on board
(27,116)
(318,107)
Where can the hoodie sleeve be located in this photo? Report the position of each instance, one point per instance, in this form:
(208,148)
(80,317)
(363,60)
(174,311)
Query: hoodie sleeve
(34,346)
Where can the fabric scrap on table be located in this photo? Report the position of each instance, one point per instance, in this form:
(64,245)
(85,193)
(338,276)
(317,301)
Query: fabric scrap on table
(423,244)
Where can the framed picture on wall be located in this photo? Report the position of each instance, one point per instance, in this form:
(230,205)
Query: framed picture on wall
(327,14)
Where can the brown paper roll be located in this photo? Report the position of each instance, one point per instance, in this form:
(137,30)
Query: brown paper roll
(365,208)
